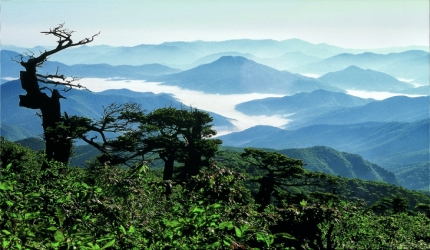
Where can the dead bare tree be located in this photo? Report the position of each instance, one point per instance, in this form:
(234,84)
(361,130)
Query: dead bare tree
(58,145)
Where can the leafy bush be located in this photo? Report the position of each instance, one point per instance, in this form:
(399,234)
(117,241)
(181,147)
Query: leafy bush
(110,207)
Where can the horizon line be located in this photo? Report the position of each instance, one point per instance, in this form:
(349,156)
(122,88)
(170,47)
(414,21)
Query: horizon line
(233,39)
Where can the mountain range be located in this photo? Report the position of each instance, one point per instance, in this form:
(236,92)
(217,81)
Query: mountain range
(11,69)
(318,159)
(238,75)
(18,123)
(183,55)
(306,104)
(392,133)
(393,109)
(330,161)
(412,64)
(324,107)
(355,78)
(402,148)
(375,141)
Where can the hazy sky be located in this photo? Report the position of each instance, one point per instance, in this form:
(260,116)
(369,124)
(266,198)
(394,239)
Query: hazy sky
(345,23)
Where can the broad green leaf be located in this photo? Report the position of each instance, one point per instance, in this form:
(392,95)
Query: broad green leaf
(238,232)
(27,216)
(198,210)
(287,236)
(131,230)
(227,243)
(172,223)
(216,245)
(303,203)
(217,205)
(59,236)
(109,244)
(122,229)
(60,215)
(244,227)
(227,224)
(5,232)
(8,167)
(5,243)
(7,185)
(261,236)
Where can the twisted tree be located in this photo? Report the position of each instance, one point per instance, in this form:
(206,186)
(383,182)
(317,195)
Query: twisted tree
(58,145)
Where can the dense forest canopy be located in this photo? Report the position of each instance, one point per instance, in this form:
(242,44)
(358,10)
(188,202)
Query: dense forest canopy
(104,206)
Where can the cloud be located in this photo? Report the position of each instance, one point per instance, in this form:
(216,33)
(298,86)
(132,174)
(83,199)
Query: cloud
(220,104)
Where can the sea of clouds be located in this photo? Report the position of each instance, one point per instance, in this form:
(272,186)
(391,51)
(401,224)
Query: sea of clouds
(221,104)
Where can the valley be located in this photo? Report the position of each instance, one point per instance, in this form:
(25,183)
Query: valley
(260,94)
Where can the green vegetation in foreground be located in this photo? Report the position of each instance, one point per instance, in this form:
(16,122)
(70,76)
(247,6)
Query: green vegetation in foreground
(108,207)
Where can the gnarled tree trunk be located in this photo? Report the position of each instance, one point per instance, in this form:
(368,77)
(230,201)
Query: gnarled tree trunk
(58,145)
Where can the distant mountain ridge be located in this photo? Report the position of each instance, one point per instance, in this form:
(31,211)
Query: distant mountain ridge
(21,121)
(178,54)
(412,64)
(330,161)
(238,75)
(355,78)
(375,141)
(11,69)
(324,107)
(393,109)
(318,159)
(315,102)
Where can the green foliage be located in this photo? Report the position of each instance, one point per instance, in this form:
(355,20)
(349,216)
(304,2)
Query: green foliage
(346,188)
(109,207)
(279,170)
(359,228)
(21,158)
(174,135)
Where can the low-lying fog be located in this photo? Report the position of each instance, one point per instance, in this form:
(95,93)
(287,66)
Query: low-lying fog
(220,104)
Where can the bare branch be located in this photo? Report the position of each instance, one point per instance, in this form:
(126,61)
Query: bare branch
(65,41)
(64,81)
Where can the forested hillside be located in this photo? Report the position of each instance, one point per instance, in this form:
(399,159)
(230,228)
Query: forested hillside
(112,207)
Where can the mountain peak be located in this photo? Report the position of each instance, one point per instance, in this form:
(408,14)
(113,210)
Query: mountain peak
(357,78)
(239,75)
(233,59)
(353,68)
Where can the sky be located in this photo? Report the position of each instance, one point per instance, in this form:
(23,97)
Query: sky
(362,24)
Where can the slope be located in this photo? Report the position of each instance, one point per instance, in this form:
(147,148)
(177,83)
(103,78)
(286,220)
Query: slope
(394,109)
(359,79)
(374,141)
(316,102)
(81,103)
(238,75)
(412,64)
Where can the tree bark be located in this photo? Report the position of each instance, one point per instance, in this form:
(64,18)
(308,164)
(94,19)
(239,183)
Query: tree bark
(57,145)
